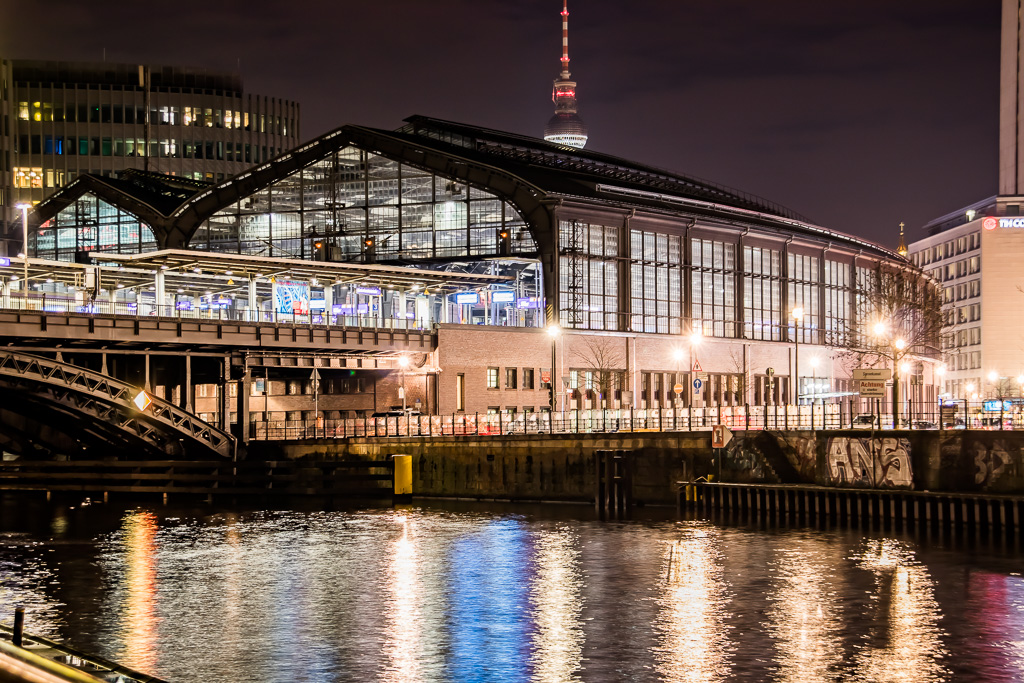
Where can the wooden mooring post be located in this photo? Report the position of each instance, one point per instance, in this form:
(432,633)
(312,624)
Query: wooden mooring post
(613,476)
(862,508)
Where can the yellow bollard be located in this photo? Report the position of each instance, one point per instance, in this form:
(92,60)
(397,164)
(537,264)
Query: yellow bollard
(403,475)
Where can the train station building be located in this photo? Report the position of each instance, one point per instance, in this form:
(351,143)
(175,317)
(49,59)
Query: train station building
(532,265)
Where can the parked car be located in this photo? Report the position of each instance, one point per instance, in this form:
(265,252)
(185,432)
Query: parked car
(866,421)
(923,424)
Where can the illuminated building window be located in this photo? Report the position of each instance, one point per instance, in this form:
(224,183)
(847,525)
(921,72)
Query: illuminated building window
(25,177)
(23,111)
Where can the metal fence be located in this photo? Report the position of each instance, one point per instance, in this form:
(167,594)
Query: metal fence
(781,417)
(214,313)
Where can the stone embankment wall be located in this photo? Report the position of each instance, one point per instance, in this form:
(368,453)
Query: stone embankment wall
(561,467)
(954,460)
(557,467)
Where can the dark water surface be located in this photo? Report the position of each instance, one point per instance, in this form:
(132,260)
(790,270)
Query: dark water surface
(497,593)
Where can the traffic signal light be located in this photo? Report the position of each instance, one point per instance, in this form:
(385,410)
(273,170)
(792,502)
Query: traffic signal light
(551,397)
(319,250)
(369,250)
(504,242)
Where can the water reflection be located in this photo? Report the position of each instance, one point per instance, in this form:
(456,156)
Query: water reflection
(138,619)
(403,641)
(27,581)
(694,642)
(556,603)
(425,595)
(489,619)
(908,644)
(803,617)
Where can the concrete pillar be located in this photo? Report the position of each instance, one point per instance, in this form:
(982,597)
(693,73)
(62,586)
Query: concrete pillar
(224,402)
(147,382)
(242,404)
(160,281)
(189,388)
(328,303)
(254,305)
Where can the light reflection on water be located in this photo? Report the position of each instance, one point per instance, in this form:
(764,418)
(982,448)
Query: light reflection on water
(436,594)
(694,601)
(803,618)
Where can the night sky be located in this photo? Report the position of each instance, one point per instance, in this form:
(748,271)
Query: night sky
(857,115)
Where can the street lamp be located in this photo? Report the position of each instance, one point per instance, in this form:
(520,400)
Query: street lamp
(798,315)
(403,362)
(24,207)
(553,331)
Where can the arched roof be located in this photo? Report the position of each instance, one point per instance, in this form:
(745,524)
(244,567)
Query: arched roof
(529,173)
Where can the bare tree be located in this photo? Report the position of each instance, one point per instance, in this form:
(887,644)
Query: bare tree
(898,315)
(603,359)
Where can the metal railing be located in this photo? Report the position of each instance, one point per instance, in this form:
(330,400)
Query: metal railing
(780,417)
(44,303)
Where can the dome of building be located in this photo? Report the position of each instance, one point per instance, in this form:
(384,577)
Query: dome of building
(566,128)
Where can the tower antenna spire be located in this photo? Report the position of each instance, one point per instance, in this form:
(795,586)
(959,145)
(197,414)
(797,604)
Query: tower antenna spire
(565,38)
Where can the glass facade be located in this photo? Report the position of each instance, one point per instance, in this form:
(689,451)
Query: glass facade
(90,224)
(762,293)
(656,292)
(713,287)
(353,196)
(588,275)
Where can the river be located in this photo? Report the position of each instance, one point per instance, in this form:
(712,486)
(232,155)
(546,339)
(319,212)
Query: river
(473,592)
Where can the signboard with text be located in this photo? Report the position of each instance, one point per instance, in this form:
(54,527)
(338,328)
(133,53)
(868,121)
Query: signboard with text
(872,388)
(872,373)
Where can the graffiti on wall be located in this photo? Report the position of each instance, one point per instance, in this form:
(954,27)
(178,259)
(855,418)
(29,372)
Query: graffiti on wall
(990,462)
(878,463)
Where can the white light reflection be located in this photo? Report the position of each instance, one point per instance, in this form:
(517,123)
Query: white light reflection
(913,647)
(802,617)
(557,605)
(691,623)
(402,647)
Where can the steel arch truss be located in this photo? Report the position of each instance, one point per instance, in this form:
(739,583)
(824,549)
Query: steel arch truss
(69,388)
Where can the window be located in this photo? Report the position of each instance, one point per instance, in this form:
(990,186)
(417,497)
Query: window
(528,378)
(492,378)
(713,287)
(762,294)
(510,378)
(655,281)
(460,392)
(589,275)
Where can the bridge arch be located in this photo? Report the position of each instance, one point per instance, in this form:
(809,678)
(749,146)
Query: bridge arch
(49,403)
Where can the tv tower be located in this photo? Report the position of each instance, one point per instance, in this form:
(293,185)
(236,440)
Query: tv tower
(565,127)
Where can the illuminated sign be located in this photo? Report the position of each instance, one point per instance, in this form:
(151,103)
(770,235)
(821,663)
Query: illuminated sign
(372,291)
(528,302)
(992,223)
(503,297)
(464,298)
(291,297)
(5,261)
(997,405)
(317,304)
